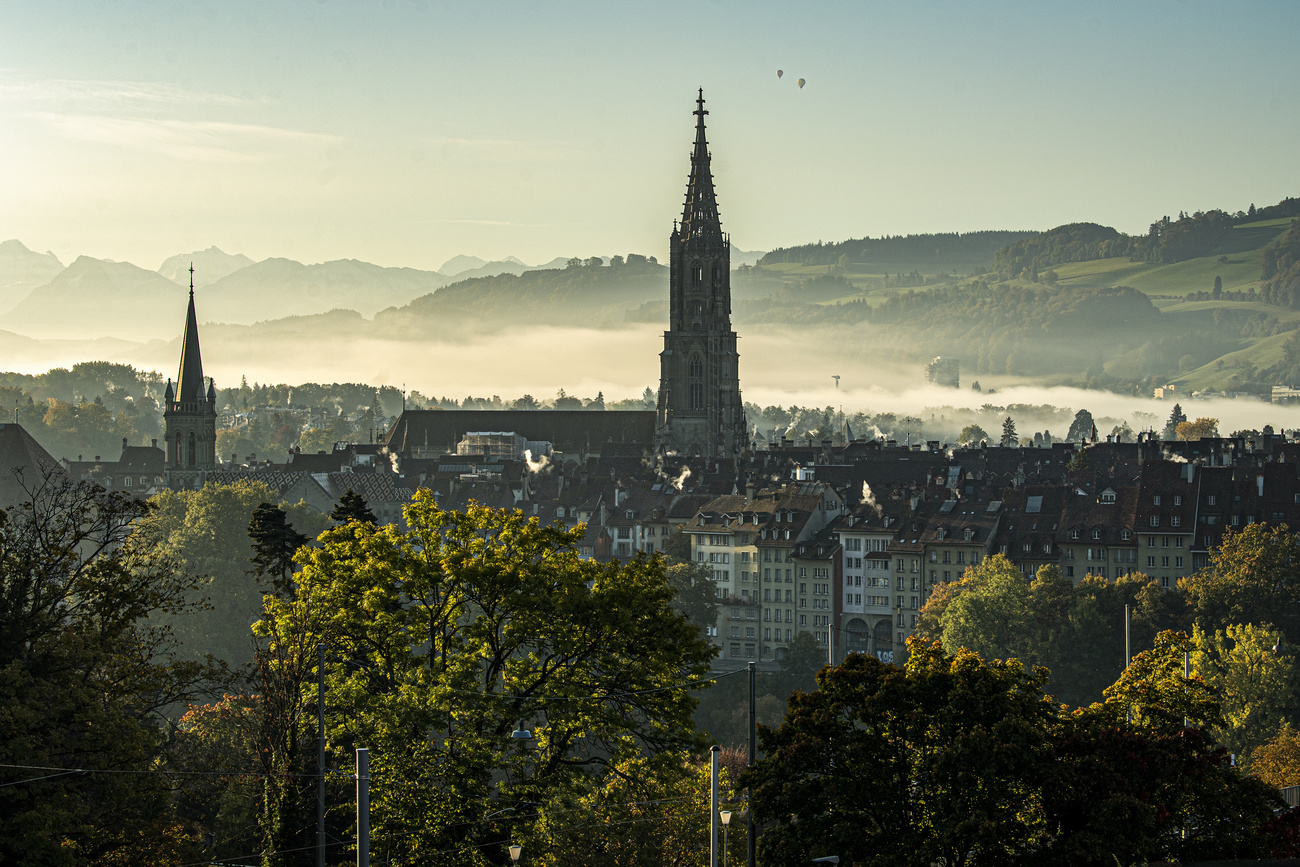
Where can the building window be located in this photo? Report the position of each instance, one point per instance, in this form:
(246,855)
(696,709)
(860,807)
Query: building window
(697,382)
(1155,520)
(1178,500)
(1212,499)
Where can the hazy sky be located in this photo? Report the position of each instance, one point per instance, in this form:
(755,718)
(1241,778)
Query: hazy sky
(404,133)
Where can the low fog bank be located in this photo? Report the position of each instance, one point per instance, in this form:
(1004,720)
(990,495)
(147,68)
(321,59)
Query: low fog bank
(779,366)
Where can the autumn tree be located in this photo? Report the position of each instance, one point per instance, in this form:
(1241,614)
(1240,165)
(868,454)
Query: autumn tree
(972,434)
(1202,428)
(1277,762)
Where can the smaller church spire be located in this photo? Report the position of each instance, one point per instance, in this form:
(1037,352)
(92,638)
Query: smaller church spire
(189,383)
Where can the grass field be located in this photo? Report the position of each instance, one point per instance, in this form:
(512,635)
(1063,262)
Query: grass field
(1239,268)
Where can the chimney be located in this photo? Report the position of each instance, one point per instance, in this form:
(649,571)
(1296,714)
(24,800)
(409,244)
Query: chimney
(124,443)
(154,442)
(1259,485)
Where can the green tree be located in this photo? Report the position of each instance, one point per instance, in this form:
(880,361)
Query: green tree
(952,747)
(1256,678)
(1176,417)
(972,434)
(695,597)
(1217,292)
(468,626)
(1009,437)
(645,813)
(1253,577)
(86,672)
(804,657)
(991,617)
(1082,427)
(352,507)
(207,532)
(275,541)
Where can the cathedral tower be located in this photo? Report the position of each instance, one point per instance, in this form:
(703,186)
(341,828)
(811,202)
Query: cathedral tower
(700,411)
(190,413)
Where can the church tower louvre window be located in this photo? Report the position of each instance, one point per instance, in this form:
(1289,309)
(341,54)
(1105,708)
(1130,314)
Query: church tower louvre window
(700,410)
(190,413)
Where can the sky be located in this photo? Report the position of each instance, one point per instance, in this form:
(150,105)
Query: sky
(405,133)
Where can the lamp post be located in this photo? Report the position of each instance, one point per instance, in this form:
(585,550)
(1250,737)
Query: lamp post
(725,816)
(515,851)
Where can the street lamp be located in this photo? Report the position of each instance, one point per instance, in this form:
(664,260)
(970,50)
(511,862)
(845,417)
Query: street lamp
(521,733)
(515,851)
(829,859)
(725,816)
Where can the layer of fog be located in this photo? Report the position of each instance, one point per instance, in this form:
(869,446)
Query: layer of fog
(778,366)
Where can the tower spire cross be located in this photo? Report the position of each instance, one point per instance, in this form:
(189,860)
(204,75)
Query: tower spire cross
(191,279)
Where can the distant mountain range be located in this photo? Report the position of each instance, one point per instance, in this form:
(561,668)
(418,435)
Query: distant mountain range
(210,265)
(94,298)
(21,271)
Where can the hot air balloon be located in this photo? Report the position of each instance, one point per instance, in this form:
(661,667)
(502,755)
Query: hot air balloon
(801,84)
(780,72)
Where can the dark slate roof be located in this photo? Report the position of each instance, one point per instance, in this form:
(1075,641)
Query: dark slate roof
(578,431)
(23,465)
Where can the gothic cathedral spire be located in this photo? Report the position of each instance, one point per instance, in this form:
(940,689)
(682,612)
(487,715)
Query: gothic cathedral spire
(190,413)
(700,410)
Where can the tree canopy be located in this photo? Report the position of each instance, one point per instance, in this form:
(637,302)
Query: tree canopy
(466,627)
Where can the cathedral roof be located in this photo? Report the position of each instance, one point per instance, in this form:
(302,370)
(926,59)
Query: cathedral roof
(190,380)
(700,213)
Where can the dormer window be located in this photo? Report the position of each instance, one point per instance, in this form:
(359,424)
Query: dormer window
(1155,500)
(628,514)
(968,534)
(1125,534)
(1178,500)
(1074,534)
(1096,534)
(1211,500)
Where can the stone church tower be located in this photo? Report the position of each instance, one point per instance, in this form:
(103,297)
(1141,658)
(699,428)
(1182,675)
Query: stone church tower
(190,413)
(700,411)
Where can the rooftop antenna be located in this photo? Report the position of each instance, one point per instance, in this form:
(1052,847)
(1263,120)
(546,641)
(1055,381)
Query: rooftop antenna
(836,377)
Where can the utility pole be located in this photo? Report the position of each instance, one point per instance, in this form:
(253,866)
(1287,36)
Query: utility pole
(713,807)
(320,755)
(752,844)
(1128,647)
(363,807)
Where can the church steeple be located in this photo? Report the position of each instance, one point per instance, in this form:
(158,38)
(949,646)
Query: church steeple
(190,413)
(700,410)
(189,383)
(700,213)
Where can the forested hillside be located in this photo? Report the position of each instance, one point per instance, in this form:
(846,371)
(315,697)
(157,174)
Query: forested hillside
(951,248)
(586,293)
(1204,233)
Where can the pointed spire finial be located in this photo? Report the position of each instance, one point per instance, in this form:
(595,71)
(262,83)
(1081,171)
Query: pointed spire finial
(191,279)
